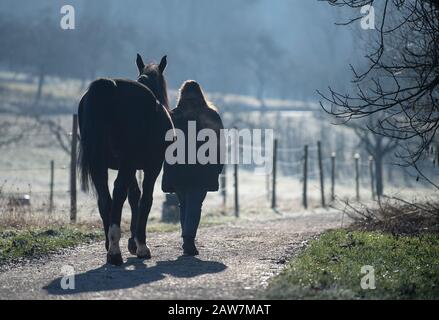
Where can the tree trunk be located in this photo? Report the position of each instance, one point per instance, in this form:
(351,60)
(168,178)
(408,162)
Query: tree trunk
(407,178)
(390,174)
(379,176)
(41,78)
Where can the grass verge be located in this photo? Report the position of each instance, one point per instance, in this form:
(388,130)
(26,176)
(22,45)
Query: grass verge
(16,244)
(405,267)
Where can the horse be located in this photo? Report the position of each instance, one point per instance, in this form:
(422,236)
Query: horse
(123,124)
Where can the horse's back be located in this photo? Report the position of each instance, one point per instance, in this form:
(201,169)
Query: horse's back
(135,127)
(125,102)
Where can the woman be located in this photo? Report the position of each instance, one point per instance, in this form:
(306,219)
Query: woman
(191,182)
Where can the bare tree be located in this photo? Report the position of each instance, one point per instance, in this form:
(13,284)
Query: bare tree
(14,127)
(57,131)
(7,134)
(377,145)
(401,82)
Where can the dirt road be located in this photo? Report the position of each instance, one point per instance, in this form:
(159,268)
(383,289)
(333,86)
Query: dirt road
(236,261)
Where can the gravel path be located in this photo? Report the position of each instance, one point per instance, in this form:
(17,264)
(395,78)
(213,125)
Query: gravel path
(236,261)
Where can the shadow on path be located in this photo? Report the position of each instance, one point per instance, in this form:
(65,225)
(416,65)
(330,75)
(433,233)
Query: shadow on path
(133,273)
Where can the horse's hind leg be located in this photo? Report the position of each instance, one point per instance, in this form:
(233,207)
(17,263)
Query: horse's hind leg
(143,251)
(133,198)
(120,192)
(104,200)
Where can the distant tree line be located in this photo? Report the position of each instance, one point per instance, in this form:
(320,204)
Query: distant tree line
(41,48)
(221,44)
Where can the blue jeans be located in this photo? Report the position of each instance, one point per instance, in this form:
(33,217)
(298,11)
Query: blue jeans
(191,201)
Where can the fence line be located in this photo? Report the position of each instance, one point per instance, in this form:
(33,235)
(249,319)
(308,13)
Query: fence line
(308,162)
(319,165)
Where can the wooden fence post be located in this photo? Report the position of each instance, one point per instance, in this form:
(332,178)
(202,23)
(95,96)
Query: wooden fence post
(267,185)
(305,178)
(333,176)
(235,176)
(274,175)
(73,162)
(357,176)
(223,182)
(235,170)
(52,182)
(372,177)
(322,183)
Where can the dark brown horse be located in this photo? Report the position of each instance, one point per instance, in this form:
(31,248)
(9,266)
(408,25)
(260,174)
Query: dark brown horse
(123,124)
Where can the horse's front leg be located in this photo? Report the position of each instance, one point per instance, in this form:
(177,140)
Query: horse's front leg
(143,250)
(120,192)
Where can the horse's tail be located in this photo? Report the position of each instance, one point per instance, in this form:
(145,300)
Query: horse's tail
(93,115)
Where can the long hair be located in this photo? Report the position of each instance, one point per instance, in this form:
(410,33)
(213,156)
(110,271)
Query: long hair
(192,98)
(192,105)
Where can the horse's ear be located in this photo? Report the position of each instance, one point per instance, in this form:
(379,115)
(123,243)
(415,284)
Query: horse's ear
(163,64)
(140,64)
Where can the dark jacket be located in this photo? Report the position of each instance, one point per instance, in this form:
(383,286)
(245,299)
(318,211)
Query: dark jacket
(186,176)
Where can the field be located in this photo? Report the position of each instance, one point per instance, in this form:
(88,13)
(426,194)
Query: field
(322,265)
(330,183)
(25,165)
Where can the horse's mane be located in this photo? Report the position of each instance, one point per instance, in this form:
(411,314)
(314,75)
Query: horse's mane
(162,91)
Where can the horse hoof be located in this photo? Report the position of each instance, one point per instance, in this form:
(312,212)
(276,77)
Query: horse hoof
(115,260)
(143,252)
(132,247)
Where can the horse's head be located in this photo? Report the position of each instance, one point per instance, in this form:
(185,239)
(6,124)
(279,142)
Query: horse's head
(151,75)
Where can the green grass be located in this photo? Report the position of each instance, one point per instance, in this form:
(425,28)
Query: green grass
(330,268)
(16,244)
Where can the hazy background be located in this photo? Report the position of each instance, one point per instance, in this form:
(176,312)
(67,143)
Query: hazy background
(245,53)
(276,48)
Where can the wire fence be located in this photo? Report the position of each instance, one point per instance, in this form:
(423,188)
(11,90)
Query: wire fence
(306,176)
(290,184)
